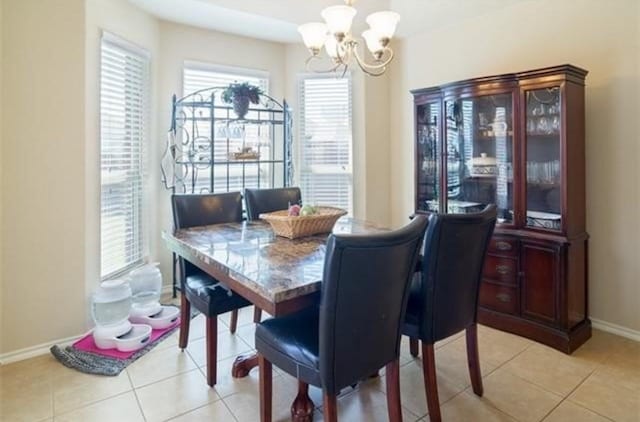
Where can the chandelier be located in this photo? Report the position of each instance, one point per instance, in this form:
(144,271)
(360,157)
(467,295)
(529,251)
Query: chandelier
(341,47)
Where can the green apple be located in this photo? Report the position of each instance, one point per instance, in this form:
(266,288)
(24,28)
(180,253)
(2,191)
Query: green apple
(306,210)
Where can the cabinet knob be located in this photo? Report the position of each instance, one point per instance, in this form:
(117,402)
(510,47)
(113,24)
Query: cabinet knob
(503,246)
(503,269)
(503,297)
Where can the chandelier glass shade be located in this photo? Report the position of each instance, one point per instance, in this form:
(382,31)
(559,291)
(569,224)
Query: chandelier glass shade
(342,48)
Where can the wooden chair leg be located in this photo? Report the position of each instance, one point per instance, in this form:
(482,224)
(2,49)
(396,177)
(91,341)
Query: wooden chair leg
(393,391)
(234,321)
(265,389)
(473,359)
(330,409)
(257,314)
(302,407)
(185,321)
(212,349)
(413,346)
(430,382)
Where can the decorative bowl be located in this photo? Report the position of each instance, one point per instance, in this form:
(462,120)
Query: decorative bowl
(483,166)
(294,227)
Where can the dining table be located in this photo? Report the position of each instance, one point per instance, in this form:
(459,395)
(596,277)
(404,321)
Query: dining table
(276,274)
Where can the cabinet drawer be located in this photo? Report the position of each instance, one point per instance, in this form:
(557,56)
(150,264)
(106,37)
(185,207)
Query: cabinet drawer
(503,246)
(498,268)
(498,298)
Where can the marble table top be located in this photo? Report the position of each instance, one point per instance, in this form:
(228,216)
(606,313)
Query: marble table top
(274,267)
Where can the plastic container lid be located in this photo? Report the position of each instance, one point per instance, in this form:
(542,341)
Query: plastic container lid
(112,291)
(145,270)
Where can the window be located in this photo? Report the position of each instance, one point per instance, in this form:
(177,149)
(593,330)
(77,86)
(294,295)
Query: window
(124,96)
(325,141)
(198,76)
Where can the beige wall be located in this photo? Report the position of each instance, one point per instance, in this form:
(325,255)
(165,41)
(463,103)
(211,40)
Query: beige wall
(120,18)
(177,44)
(43,166)
(601,37)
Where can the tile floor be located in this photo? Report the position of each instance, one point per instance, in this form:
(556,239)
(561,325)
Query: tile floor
(524,381)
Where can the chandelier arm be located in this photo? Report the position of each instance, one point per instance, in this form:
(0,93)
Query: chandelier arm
(374,69)
(308,67)
(345,67)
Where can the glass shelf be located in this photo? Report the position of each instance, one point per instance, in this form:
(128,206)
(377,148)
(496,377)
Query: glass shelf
(479,147)
(543,168)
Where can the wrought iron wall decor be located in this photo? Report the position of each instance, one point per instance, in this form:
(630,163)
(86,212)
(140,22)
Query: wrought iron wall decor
(210,150)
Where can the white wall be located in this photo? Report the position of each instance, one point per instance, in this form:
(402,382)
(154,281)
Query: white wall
(43,230)
(601,37)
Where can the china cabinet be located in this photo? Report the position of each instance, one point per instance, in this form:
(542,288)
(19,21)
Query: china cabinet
(516,140)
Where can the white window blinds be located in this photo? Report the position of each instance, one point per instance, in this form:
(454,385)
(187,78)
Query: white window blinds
(124,96)
(198,76)
(325,141)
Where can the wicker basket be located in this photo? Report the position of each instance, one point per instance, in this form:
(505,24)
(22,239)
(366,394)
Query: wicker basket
(294,227)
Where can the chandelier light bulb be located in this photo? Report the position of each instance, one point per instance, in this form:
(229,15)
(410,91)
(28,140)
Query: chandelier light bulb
(314,35)
(384,23)
(332,47)
(373,41)
(339,19)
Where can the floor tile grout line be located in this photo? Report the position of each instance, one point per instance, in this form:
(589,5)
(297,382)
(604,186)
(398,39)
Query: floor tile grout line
(590,410)
(578,404)
(53,399)
(166,378)
(490,404)
(194,409)
(92,403)
(229,409)
(565,398)
(135,393)
(87,404)
(510,359)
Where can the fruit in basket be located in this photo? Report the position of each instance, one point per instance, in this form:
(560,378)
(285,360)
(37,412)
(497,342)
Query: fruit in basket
(294,210)
(307,210)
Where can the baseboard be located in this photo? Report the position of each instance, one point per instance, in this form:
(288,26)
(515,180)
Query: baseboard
(33,351)
(615,329)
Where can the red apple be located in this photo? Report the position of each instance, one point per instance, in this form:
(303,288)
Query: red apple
(294,210)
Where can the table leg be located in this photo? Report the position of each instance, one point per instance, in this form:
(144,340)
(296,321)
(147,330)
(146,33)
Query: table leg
(243,364)
(302,407)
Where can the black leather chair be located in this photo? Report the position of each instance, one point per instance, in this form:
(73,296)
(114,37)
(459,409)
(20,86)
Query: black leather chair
(444,296)
(260,201)
(199,289)
(357,328)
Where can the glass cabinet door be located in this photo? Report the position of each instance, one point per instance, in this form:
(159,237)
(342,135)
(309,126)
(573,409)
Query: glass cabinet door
(428,156)
(543,125)
(479,154)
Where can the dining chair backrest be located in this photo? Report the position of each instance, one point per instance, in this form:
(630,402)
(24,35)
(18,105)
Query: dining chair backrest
(364,296)
(192,210)
(260,201)
(454,254)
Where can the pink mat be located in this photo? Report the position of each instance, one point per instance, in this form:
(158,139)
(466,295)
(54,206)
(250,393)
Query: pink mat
(86,344)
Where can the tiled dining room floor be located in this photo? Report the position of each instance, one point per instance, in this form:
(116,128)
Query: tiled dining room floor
(524,381)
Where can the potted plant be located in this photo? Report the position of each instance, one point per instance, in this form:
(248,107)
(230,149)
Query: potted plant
(240,95)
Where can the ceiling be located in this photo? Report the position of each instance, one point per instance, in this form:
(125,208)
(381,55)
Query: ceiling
(277,20)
